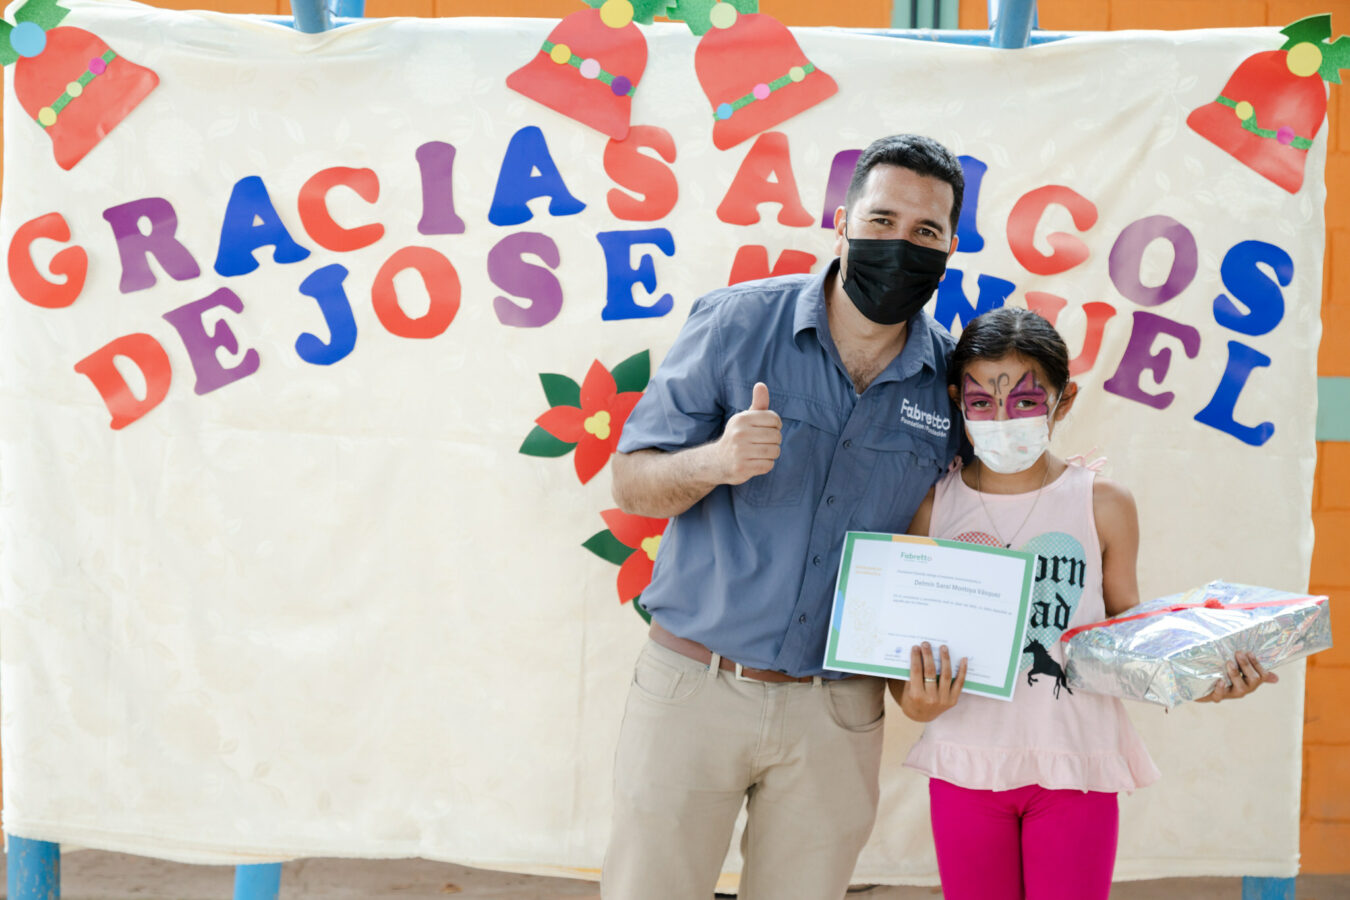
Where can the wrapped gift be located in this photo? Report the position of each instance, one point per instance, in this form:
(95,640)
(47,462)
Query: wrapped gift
(1176,648)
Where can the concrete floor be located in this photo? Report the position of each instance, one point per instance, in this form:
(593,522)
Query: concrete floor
(95,875)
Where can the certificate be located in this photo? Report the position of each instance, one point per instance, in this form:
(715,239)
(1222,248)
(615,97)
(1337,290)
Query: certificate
(895,591)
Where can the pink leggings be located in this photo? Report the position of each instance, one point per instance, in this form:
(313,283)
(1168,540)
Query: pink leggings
(1025,844)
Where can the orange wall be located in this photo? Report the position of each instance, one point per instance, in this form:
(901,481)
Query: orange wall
(1326,730)
(1326,740)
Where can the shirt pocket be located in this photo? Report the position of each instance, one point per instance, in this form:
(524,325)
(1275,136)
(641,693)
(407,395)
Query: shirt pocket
(808,430)
(907,464)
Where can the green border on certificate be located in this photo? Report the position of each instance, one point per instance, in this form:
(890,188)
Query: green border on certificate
(986,589)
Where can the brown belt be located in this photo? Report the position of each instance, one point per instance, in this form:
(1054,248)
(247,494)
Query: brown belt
(696,651)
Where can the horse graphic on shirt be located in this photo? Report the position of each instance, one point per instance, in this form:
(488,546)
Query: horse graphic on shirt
(1042,663)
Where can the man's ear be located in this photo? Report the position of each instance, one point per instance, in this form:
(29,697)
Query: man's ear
(1066,398)
(840,218)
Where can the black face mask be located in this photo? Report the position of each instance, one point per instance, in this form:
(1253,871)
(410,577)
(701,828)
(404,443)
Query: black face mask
(890,280)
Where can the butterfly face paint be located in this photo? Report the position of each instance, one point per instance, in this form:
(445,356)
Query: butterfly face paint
(1007,413)
(983,402)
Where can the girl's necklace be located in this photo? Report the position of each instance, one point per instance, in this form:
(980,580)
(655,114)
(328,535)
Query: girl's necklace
(1025,519)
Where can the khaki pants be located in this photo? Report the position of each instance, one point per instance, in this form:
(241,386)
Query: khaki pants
(697,742)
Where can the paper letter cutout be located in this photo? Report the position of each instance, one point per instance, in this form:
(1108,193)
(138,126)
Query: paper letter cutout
(952,303)
(765,176)
(72,262)
(203,346)
(134,247)
(1067,251)
(836,185)
(318,222)
(622,276)
(240,237)
(517,183)
(325,286)
(442,284)
(642,174)
(968,237)
(1251,286)
(509,271)
(1140,358)
(1219,411)
(148,356)
(752,261)
(1128,253)
(1049,306)
(436,160)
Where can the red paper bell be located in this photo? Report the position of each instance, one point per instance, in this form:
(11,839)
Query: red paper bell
(587,71)
(1266,117)
(756,76)
(93,87)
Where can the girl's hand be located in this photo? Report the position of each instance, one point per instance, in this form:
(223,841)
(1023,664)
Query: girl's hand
(927,694)
(1245,675)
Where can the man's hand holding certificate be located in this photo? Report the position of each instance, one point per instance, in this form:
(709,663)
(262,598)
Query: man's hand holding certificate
(896,593)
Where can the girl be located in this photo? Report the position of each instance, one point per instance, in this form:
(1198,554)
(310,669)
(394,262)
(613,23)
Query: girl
(1023,793)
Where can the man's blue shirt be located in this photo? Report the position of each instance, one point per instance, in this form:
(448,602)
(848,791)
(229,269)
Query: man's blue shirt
(749,571)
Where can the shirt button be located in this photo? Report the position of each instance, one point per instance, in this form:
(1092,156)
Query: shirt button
(848,444)
(815,561)
(829,501)
(801,620)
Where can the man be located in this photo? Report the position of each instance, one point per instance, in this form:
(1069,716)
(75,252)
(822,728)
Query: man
(788,411)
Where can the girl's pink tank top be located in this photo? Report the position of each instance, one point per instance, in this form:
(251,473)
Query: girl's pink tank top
(1048,734)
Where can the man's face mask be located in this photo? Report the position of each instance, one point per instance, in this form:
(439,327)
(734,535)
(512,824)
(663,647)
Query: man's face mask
(889,280)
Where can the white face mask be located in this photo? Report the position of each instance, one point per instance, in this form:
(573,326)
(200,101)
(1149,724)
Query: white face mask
(1008,446)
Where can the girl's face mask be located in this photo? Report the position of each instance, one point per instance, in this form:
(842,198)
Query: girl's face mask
(1007,446)
(1007,414)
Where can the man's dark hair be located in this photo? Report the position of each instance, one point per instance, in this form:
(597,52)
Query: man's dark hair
(916,153)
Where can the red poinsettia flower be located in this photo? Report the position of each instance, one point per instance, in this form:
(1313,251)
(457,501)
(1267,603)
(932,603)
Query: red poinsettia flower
(595,426)
(644,536)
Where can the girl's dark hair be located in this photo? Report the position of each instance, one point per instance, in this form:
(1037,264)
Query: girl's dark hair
(1007,330)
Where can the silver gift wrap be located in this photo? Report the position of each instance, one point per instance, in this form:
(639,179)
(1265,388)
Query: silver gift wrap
(1175,655)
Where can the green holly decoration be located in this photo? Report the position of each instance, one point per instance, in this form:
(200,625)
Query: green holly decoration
(697,14)
(644,11)
(45,14)
(1310,37)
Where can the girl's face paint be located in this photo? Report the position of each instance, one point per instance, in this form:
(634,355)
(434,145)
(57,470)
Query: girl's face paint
(1007,388)
(1027,398)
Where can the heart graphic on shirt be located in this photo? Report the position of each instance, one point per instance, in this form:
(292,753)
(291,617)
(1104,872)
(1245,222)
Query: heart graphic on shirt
(978,537)
(1061,568)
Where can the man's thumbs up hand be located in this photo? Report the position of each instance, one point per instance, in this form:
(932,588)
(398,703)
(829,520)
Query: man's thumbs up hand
(752,439)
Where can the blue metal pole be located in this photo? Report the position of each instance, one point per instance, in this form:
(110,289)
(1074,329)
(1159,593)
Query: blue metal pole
(260,882)
(1012,27)
(34,869)
(1267,888)
(351,9)
(311,16)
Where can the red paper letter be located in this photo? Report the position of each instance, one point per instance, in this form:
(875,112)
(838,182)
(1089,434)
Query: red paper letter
(765,177)
(1068,251)
(1048,307)
(642,174)
(442,282)
(752,261)
(71,262)
(148,356)
(319,222)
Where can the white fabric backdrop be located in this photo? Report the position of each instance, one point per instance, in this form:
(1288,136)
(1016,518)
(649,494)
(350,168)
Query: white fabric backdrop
(332,610)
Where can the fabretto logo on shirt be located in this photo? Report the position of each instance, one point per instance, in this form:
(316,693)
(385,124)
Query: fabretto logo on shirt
(931,422)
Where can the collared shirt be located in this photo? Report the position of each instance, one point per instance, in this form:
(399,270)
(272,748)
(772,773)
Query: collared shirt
(749,571)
